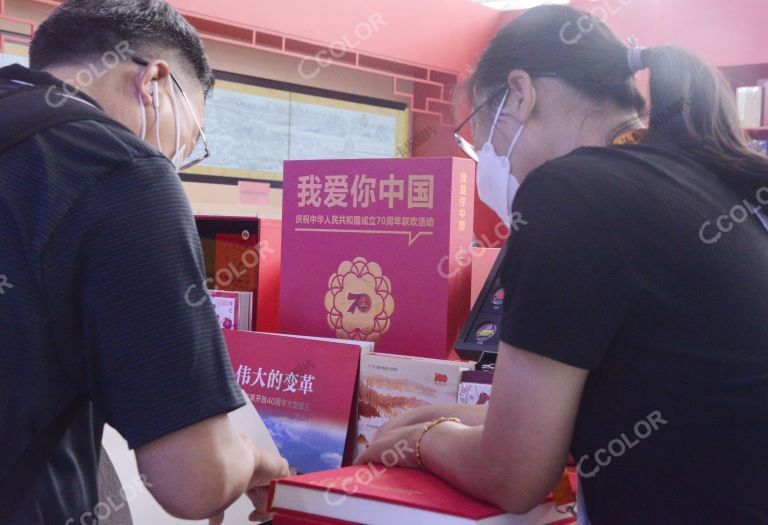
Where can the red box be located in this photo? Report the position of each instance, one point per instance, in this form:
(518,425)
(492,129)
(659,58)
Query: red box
(378,250)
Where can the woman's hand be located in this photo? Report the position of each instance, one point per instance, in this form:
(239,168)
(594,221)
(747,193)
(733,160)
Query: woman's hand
(396,447)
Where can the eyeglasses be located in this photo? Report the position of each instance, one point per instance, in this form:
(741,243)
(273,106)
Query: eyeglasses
(464,145)
(206,152)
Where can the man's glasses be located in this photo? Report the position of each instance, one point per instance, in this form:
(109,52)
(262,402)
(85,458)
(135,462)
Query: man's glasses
(206,153)
(464,145)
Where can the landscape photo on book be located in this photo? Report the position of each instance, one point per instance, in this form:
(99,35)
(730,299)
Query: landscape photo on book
(303,389)
(391,384)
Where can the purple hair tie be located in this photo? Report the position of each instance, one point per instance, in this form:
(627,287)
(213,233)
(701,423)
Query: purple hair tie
(635,59)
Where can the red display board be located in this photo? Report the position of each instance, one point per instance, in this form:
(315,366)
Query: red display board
(378,250)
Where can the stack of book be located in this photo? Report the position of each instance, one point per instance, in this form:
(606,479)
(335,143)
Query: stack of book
(376,495)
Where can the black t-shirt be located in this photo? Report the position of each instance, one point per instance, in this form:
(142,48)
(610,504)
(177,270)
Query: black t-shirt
(620,266)
(100,277)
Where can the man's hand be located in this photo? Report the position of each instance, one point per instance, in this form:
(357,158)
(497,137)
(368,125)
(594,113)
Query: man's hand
(199,471)
(259,497)
(268,467)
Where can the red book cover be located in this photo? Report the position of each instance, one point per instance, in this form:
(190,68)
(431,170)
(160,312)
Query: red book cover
(303,389)
(227,306)
(378,250)
(233,309)
(287,517)
(374,494)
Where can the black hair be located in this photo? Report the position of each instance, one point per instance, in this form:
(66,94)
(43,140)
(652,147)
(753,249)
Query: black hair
(577,47)
(87,29)
(586,55)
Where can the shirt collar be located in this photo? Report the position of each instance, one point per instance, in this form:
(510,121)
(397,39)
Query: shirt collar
(41,78)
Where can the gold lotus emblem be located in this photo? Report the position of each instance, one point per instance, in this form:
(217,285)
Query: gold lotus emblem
(359,301)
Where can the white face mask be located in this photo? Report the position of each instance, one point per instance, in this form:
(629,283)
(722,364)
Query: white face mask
(496,186)
(178,156)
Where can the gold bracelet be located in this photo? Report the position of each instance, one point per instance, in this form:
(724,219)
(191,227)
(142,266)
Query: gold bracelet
(424,431)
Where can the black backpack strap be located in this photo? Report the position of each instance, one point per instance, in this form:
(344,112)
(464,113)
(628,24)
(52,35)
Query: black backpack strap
(18,481)
(24,112)
(29,110)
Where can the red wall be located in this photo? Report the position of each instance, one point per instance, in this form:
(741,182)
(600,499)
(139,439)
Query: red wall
(446,34)
(723,32)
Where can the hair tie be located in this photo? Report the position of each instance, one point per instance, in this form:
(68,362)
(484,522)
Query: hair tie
(635,56)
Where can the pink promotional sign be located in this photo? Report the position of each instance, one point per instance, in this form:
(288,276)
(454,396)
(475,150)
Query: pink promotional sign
(378,250)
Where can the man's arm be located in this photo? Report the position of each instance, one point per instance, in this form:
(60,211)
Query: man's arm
(154,363)
(197,472)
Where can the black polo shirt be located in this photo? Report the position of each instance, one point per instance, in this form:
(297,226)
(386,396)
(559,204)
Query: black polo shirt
(639,264)
(100,272)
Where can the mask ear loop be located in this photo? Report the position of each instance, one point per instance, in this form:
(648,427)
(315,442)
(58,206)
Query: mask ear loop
(498,114)
(156,105)
(142,111)
(514,183)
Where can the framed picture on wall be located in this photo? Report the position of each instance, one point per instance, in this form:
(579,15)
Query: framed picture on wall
(13,53)
(254,125)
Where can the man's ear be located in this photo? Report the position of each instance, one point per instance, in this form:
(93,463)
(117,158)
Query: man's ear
(155,73)
(522,96)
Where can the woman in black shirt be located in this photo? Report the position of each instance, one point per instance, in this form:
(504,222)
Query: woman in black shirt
(635,324)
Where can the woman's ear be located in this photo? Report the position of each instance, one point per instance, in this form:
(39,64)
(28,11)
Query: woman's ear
(522,96)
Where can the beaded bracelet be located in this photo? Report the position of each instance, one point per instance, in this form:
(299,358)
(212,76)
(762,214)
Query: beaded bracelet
(424,431)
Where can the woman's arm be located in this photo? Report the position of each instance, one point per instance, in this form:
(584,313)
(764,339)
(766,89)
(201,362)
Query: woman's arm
(470,415)
(514,459)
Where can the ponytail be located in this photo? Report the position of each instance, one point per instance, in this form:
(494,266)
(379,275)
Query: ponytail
(692,106)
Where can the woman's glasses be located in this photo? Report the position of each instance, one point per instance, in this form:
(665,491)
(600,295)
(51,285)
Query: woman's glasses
(464,145)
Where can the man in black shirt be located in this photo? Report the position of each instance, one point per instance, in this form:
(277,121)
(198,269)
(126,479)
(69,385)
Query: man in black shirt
(98,248)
